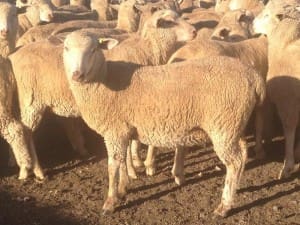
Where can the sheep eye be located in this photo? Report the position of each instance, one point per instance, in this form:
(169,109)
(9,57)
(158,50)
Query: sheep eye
(66,49)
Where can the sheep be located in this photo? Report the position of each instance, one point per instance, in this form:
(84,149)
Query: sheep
(35,94)
(160,36)
(11,129)
(164,114)
(36,33)
(58,3)
(234,26)
(104,10)
(85,3)
(33,16)
(280,22)
(223,6)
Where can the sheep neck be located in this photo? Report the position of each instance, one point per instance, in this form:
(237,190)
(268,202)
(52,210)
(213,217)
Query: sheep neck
(162,44)
(287,32)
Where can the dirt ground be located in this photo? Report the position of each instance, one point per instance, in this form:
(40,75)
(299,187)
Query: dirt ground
(76,189)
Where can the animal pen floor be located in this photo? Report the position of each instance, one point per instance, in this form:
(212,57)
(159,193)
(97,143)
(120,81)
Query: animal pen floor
(75,190)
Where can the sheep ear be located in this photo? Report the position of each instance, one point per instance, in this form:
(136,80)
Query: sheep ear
(107,43)
(115,7)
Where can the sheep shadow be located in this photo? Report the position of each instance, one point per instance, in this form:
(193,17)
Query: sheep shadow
(17,210)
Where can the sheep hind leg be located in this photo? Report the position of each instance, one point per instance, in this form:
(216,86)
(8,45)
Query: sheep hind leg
(259,151)
(178,166)
(116,150)
(289,159)
(135,148)
(14,134)
(234,157)
(150,161)
(130,167)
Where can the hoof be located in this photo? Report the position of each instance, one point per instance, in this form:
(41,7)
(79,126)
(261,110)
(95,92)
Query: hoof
(222,210)
(39,174)
(23,174)
(150,171)
(286,172)
(179,180)
(109,205)
(137,163)
(132,176)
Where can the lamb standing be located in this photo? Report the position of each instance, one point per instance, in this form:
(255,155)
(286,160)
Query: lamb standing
(164,113)
(12,130)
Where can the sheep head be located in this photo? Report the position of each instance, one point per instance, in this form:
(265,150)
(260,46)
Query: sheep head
(274,13)
(169,22)
(83,59)
(234,26)
(8,28)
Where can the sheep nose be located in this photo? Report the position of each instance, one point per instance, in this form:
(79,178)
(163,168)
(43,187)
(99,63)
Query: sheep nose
(77,76)
(4,32)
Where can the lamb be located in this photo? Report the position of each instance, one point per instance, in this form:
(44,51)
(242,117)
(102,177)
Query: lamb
(33,16)
(280,22)
(11,129)
(166,114)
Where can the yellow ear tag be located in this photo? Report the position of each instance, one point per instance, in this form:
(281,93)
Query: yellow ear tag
(101,40)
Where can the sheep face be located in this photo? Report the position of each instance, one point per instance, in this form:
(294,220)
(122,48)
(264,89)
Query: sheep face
(171,22)
(273,13)
(83,58)
(8,23)
(234,26)
(39,13)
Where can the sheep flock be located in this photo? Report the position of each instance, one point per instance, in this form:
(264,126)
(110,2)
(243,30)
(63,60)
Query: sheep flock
(166,74)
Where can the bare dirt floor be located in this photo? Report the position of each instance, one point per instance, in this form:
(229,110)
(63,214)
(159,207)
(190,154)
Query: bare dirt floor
(76,189)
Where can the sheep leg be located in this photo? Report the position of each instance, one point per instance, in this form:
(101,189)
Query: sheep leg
(178,166)
(289,160)
(31,118)
(116,149)
(297,151)
(123,180)
(259,151)
(14,134)
(234,157)
(150,161)
(130,167)
(73,129)
(135,147)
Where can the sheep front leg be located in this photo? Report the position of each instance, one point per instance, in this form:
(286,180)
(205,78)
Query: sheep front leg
(116,149)
(150,161)
(135,148)
(234,157)
(178,166)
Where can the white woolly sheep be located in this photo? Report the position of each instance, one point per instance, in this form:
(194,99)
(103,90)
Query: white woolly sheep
(164,114)
(12,130)
(33,16)
(280,22)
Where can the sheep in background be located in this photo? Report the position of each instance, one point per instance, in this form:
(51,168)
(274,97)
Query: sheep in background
(280,22)
(35,14)
(164,113)
(11,129)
